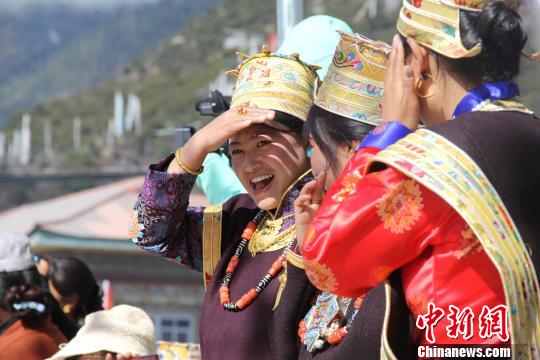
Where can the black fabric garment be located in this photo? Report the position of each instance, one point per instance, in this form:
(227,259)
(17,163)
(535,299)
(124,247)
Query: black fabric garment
(364,338)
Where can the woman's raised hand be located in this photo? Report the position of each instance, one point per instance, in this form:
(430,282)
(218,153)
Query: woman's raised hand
(307,204)
(225,126)
(400,102)
(219,130)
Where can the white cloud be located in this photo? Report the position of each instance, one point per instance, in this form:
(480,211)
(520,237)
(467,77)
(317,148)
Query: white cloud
(14,5)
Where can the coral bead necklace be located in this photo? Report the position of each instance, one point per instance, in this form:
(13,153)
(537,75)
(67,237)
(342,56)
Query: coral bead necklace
(252,294)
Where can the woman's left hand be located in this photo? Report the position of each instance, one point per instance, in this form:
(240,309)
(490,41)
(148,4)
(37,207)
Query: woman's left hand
(307,204)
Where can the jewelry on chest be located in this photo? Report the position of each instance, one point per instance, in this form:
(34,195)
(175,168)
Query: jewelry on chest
(270,237)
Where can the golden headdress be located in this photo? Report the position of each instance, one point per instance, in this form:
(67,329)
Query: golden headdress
(353,86)
(277,82)
(435,24)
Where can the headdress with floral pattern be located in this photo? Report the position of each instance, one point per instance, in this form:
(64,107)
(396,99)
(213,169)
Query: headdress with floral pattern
(353,86)
(277,82)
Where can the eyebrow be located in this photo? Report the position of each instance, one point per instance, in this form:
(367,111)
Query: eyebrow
(262,132)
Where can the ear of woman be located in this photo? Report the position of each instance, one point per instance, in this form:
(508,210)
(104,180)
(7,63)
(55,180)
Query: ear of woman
(418,59)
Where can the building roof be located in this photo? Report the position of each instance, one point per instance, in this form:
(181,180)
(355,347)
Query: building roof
(99,214)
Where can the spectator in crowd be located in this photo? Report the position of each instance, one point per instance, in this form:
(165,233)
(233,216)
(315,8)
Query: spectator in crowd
(122,333)
(73,285)
(26,330)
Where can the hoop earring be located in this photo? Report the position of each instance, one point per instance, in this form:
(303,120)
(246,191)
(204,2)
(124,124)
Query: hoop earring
(418,85)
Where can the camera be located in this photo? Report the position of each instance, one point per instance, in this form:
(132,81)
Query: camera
(215,105)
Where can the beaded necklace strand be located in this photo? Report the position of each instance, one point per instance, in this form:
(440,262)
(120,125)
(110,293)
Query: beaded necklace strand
(253,293)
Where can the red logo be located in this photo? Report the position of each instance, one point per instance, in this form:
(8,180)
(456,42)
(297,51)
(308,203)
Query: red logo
(461,322)
(428,321)
(494,322)
(491,322)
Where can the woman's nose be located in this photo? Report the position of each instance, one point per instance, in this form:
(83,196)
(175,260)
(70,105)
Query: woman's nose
(252,161)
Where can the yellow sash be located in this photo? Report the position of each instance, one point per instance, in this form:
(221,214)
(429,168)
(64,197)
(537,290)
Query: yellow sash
(449,172)
(211,240)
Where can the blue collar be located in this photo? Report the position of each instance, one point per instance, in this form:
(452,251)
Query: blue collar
(491,91)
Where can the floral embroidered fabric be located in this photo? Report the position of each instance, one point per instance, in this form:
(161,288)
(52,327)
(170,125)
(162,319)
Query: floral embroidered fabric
(163,223)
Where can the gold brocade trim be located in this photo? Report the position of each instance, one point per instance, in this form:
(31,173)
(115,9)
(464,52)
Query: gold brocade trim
(386,350)
(503,105)
(439,165)
(295,259)
(212,220)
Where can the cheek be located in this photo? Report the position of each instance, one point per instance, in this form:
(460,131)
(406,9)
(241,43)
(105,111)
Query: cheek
(318,161)
(330,179)
(236,165)
(317,165)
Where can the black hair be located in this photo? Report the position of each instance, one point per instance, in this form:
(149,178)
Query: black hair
(289,122)
(70,275)
(499,29)
(330,130)
(21,295)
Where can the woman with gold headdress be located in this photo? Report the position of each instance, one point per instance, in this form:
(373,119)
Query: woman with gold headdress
(452,206)
(347,107)
(239,245)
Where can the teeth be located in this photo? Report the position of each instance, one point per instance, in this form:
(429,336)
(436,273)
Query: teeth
(261,178)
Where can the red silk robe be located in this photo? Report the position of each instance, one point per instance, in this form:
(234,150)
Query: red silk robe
(368,226)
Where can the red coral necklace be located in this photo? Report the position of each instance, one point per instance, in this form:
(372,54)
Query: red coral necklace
(253,293)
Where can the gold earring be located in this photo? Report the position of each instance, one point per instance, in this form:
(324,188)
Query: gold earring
(66,309)
(418,85)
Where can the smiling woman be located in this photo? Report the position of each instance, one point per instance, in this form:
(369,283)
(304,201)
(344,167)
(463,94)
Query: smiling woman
(264,128)
(266,159)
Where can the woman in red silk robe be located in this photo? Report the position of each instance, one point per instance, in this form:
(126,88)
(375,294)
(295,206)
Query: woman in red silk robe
(375,219)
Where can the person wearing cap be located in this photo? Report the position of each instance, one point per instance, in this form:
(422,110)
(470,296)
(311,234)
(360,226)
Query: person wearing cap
(26,331)
(122,332)
(451,206)
(239,245)
(347,107)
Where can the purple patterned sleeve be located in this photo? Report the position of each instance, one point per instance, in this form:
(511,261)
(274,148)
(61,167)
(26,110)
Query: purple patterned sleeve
(163,223)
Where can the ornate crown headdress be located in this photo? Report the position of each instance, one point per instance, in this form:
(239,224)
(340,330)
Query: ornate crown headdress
(353,86)
(277,82)
(435,24)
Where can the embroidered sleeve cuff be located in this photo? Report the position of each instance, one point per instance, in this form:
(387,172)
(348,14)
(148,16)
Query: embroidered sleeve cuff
(162,190)
(385,135)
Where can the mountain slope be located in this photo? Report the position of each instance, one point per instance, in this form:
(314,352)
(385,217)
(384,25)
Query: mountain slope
(59,51)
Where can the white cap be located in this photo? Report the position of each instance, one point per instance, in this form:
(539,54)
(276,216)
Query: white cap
(122,329)
(15,254)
